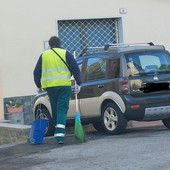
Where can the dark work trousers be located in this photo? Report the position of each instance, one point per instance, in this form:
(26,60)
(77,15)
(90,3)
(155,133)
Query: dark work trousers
(59,98)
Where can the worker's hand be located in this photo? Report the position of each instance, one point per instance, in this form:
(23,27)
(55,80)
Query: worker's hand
(39,90)
(77,89)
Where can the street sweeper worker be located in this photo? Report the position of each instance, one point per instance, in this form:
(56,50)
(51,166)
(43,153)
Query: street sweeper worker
(53,72)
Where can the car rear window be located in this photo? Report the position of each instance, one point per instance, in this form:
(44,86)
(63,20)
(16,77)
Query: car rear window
(147,62)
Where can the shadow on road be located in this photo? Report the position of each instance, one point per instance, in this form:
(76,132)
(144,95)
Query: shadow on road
(21,149)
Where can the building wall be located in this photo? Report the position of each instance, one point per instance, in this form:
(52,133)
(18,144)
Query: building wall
(25,25)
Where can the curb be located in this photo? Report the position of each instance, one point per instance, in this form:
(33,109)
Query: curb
(10,133)
(14,133)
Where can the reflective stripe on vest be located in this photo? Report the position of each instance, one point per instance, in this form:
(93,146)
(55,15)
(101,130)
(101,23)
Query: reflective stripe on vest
(54,71)
(54,77)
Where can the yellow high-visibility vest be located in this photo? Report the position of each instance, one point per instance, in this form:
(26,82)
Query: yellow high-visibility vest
(54,71)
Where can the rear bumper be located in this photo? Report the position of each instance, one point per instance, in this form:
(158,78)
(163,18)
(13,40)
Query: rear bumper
(161,112)
(155,107)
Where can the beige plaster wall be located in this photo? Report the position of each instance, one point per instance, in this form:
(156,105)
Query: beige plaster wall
(24,25)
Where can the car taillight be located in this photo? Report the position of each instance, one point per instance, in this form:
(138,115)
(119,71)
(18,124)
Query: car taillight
(135,106)
(125,88)
(125,81)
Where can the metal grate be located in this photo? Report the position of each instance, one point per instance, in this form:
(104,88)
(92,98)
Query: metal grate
(78,34)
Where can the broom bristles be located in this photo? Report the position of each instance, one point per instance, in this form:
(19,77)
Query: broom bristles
(78,129)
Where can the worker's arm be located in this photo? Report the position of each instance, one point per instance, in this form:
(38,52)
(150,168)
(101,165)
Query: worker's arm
(73,67)
(37,72)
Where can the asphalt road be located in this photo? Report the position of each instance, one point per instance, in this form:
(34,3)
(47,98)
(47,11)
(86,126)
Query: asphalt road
(138,149)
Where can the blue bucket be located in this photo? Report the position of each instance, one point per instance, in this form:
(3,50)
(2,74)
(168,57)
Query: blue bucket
(37,131)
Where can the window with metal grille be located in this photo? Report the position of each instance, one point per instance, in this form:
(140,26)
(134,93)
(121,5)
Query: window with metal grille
(75,35)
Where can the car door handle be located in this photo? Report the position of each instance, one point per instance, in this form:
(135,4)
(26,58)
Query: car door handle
(100,86)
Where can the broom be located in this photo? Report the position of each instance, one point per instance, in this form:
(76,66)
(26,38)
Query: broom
(78,128)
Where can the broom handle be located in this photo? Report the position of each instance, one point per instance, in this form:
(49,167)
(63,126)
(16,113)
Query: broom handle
(77,108)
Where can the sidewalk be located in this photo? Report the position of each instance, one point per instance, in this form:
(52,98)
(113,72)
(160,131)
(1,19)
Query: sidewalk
(10,133)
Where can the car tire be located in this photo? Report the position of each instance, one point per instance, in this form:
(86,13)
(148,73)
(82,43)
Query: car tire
(113,120)
(166,123)
(44,113)
(98,126)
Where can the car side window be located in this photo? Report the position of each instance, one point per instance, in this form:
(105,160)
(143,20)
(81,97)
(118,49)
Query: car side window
(113,67)
(96,69)
(80,62)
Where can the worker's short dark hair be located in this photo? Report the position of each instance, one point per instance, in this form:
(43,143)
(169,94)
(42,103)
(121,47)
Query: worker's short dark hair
(54,42)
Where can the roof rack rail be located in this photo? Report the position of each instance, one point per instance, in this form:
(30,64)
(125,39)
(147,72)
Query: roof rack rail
(106,47)
(90,49)
(83,52)
(115,47)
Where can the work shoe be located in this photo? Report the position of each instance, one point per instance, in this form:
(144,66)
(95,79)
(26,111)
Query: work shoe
(60,142)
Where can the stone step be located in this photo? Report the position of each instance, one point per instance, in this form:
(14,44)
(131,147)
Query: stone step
(10,133)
